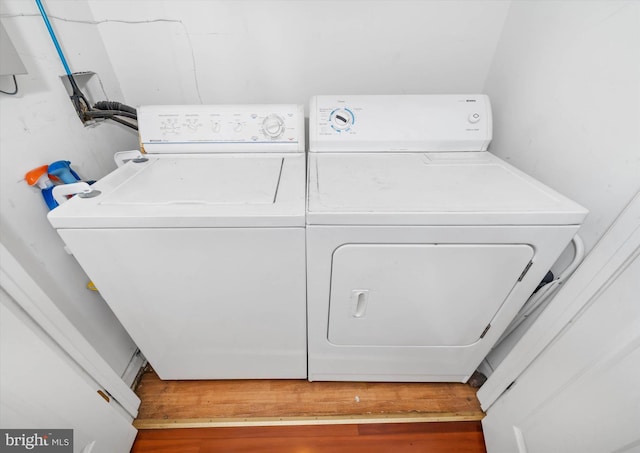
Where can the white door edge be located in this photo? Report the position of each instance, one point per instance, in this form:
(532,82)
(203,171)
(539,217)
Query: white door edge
(600,266)
(27,293)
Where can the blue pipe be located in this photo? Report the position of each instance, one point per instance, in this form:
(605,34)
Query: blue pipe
(43,13)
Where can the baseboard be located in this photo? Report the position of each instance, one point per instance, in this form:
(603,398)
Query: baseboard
(293,421)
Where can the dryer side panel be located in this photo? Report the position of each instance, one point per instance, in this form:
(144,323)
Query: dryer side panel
(420,294)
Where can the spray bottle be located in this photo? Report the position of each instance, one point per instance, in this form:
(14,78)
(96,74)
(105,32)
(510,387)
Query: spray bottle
(61,170)
(39,176)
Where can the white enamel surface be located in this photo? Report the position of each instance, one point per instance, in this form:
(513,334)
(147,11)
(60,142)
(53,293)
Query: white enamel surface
(195,191)
(204,303)
(375,362)
(188,129)
(399,123)
(414,293)
(201,181)
(429,188)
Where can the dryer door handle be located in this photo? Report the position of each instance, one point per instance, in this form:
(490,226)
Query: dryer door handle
(359,302)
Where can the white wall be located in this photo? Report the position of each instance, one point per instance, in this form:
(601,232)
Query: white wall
(238,51)
(565,89)
(39,126)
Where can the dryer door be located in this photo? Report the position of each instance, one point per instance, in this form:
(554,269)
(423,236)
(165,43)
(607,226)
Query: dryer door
(420,294)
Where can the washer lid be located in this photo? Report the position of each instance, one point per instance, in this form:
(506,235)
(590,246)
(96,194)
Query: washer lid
(193,191)
(474,188)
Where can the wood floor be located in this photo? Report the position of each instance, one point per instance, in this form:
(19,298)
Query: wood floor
(452,437)
(282,416)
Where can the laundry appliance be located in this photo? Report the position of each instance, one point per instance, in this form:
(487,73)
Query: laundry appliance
(421,245)
(198,246)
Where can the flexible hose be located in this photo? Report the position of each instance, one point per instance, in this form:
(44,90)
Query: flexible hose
(15,90)
(109,113)
(124,123)
(113,116)
(112,105)
(537,300)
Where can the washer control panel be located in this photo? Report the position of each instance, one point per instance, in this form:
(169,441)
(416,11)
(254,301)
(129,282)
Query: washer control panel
(221,128)
(400,123)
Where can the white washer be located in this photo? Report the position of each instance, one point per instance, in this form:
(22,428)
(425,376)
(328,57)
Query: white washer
(199,249)
(421,245)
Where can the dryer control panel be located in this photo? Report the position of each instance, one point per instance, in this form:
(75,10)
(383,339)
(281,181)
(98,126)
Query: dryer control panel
(191,129)
(400,123)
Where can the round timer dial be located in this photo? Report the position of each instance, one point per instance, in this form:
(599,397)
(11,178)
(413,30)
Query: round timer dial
(273,126)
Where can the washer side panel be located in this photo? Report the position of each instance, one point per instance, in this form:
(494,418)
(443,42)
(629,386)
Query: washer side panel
(204,303)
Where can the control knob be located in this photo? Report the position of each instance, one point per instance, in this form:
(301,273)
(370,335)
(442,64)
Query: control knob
(341,119)
(273,126)
(474,118)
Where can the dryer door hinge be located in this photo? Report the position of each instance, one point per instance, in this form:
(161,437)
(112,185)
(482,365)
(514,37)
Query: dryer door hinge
(524,272)
(484,332)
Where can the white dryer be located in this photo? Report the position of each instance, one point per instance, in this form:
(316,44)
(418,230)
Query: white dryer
(421,245)
(199,246)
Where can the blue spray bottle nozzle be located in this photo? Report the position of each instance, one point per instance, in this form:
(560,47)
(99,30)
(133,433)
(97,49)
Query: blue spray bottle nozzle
(62,170)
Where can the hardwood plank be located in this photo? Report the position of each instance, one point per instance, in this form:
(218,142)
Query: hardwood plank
(167,446)
(341,445)
(178,403)
(404,428)
(258,431)
(464,437)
